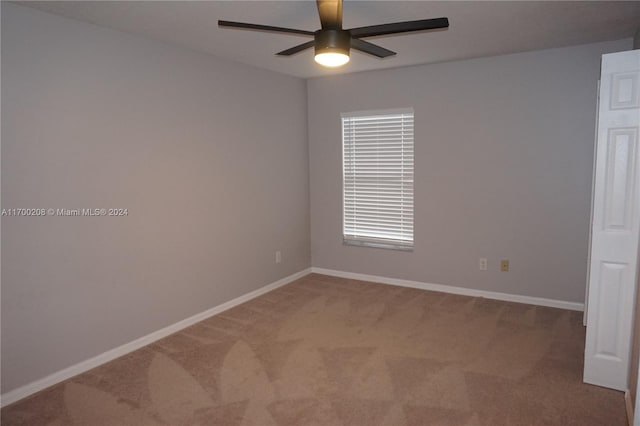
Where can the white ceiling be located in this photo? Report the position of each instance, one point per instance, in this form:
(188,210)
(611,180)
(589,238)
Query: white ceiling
(477,28)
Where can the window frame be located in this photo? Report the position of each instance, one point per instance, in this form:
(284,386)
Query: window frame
(369,241)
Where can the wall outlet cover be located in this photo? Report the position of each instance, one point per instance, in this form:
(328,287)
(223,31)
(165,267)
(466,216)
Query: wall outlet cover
(482,263)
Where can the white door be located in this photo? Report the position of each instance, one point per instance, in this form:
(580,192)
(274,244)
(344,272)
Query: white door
(593,183)
(616,223)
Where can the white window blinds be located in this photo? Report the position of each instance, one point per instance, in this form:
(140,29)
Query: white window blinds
(378,178)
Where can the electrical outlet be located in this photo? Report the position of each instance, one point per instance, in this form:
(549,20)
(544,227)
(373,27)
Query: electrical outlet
(483,263)
(278,256)
(504,265)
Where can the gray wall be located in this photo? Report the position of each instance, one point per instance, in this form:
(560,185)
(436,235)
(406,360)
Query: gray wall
(636,40)
(503,160)
(210,158)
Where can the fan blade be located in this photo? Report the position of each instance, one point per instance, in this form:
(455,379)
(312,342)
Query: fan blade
(330,12)
(370,48)
(247,26)
(296,49)
(400,27)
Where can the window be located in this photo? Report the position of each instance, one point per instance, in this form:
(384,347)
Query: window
(377,165)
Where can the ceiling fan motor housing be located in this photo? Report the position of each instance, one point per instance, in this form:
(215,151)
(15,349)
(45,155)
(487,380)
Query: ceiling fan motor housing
(332,40)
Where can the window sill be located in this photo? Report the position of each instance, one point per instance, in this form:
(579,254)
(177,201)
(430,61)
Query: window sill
(377,244)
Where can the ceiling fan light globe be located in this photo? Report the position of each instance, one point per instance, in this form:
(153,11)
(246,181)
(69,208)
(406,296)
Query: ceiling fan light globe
(332,59)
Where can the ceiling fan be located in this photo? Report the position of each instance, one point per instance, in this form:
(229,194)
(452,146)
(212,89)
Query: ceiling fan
(332,43)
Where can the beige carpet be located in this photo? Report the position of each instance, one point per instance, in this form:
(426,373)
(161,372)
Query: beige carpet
(330,351)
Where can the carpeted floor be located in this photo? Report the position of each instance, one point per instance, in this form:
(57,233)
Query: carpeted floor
(331,351)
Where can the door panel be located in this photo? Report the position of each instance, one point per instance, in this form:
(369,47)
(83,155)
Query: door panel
(616,223)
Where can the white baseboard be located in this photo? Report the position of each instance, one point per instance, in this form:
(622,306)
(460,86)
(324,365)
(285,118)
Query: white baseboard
(454,290)
(40,384)
(629,407)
